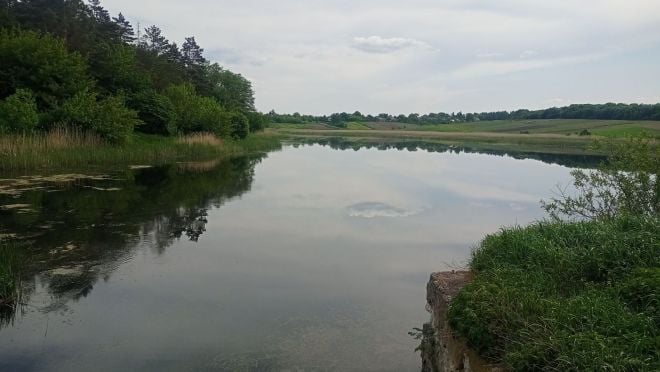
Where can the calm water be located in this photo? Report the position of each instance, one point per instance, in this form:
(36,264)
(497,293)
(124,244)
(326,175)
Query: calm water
(310,258)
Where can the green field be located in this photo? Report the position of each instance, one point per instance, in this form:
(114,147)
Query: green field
(606,128)
(552,136)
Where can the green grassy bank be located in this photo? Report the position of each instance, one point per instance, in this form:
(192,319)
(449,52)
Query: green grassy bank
(559,136)
(75,150)
(566,297)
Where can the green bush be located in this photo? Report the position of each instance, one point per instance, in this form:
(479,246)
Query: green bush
(547,297)
(41,63)
(107,117)
(240,126)
(18,113)
(195,113)
(258,121)
(155,111)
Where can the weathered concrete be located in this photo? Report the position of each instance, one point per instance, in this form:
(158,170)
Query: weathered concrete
(448,354)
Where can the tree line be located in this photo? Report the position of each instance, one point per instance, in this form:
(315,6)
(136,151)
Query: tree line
(67,62)
(607,111)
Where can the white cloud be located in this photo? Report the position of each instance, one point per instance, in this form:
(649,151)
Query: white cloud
(377,44)
(528,54)
(337,55)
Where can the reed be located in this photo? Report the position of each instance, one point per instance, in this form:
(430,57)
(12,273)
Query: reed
(72,148)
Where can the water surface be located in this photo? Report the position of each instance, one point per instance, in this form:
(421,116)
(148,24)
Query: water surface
(310,258)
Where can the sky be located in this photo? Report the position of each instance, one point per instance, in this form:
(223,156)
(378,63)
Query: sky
(373,56)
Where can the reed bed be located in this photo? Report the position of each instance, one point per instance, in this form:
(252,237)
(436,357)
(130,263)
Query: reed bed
(71,148)
(199,139)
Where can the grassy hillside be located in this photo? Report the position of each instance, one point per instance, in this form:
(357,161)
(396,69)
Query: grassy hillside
(566,297)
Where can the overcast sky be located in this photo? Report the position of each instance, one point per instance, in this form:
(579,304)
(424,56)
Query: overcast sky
(405,56)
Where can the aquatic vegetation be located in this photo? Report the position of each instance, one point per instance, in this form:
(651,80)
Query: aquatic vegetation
(65,148)
(10,264)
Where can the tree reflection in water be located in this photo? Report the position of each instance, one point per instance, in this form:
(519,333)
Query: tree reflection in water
(78,232)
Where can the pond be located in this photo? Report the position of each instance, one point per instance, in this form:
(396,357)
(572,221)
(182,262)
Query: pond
(314,257)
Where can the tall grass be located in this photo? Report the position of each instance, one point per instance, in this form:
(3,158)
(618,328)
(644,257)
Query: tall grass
(9,272)
(566,297)
(199,139)
(66,148)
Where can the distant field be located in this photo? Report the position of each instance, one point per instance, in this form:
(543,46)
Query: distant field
(605,128)
(608,128)
(551,136)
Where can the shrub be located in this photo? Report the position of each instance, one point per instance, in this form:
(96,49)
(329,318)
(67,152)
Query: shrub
(42,64)
(195,113)
(258,121)
(18,113)
(107,117)
(240,126)
(155,111)
(627,184)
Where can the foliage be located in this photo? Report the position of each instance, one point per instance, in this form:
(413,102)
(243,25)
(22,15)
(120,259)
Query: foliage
(257,120)
(608,111)
(233,91)
(76,58)
(195,113)
(156,112)
(108,117)
(240,126)
(626,184)
(41,63)
(549,296)
(18,113)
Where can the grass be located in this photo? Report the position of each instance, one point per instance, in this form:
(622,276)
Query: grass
(64,148)
(552,136)
(566,297)
(545,143)
(10,260)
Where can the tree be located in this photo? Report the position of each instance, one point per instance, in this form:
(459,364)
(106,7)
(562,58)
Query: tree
(107,117)
(18,113)
(124,29)
(42,64)
(628,183)
(233,91)
(154,41)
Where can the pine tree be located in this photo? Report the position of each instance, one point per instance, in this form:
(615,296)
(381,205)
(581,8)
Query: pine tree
(124,29)
(154,41)
(192,53)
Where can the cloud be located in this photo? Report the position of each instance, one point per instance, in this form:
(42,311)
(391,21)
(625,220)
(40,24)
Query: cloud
(493,68)
(377,44)
(528,54)
(486,55)
(399,56)
(382,210)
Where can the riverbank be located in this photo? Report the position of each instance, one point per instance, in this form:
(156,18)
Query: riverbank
(69,149)
(565,296)
(558,136)
(546,144)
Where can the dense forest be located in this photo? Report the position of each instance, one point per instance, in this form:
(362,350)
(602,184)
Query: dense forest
(608,111)
(71,63)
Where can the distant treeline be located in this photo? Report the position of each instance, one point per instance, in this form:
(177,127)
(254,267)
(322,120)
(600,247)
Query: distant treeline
(67,62)
(608,111)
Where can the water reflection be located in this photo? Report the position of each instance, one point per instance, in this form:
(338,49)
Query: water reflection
(313,259)
(340,143)
(77,229)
